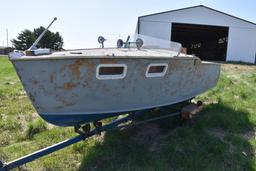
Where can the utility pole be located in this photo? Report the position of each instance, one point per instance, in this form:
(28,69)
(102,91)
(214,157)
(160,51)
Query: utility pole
(7,37)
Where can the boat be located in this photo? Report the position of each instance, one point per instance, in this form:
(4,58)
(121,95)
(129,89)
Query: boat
(75,87)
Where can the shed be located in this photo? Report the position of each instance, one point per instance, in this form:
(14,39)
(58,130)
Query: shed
(205,32)
(5,50)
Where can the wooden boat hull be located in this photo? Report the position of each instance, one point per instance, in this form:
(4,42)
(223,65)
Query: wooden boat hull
(66,91)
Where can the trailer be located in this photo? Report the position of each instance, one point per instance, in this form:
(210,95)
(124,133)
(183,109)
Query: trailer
(84,131)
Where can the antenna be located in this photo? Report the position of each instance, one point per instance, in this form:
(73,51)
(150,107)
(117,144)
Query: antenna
(33,47)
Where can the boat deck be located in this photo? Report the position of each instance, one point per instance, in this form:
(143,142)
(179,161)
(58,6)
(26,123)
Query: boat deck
(109,53)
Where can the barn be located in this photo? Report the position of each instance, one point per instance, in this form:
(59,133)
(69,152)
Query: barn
(205,32)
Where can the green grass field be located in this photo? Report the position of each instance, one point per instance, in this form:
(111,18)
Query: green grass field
(221,137)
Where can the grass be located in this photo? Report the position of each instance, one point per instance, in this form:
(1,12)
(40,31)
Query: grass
(35,127)
(222,137)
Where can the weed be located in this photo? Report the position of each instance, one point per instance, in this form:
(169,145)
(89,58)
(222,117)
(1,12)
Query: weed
(35,127)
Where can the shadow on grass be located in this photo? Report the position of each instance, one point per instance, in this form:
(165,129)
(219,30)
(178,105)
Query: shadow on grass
(218,139)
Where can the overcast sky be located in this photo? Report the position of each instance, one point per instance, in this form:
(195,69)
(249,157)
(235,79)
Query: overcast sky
(80,22)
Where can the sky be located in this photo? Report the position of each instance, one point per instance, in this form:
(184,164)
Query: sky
(80,22)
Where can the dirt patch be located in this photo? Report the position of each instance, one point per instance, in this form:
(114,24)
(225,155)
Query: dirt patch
(100,137)
(249,135)
(221,134)
(237,71)
(152,136)
(238,68)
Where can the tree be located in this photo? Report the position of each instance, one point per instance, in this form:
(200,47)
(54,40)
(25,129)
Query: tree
(26,38)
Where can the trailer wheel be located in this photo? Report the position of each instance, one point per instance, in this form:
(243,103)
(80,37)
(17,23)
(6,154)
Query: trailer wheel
(86,128)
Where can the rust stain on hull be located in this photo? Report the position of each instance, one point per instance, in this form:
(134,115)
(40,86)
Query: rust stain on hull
(69,86)
(64,101)
(75,68)
(35,82)
(52,77)
(173,65)
(90,74)
(108,61)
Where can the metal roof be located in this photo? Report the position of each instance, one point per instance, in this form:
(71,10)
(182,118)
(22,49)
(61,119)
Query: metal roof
(197,7)
(5,47)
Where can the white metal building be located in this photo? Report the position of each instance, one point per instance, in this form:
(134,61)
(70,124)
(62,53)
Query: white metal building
(205,32)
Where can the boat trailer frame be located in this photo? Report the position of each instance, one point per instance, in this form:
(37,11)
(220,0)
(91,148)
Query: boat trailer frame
(83,135)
